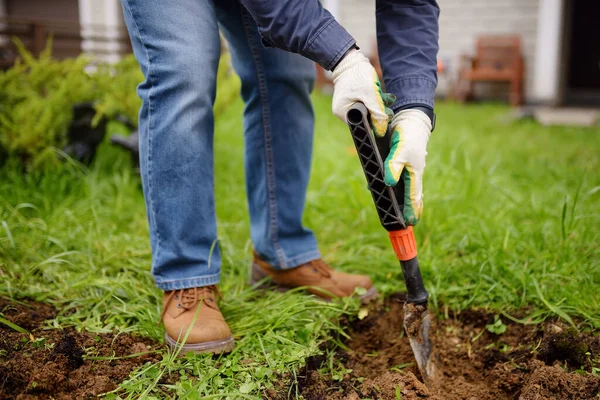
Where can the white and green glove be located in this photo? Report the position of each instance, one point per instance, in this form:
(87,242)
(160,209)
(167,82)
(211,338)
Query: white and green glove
(406,161)
(355,80)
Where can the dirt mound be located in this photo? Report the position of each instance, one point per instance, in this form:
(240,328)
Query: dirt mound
(62,364)
(527,362)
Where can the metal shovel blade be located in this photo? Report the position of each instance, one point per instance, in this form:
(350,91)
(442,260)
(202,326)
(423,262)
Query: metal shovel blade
(417,323)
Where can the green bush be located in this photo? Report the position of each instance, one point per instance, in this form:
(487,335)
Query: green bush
(117,89)
(37,96)
(36,104)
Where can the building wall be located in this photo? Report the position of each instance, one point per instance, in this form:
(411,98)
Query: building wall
(358,17)
(461,21)
(63,10)
(4,40)
(549,53)
(63,15)
(102,26)
(91,26)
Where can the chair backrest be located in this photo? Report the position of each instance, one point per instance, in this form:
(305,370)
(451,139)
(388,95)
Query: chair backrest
(498,52)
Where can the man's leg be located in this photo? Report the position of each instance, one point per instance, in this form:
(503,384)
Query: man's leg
(278,127)
(177,45)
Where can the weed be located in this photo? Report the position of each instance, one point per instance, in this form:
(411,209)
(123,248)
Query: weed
(13,326)
(594,363)
(400,368)
(398,393)
(40,343)
(497,327)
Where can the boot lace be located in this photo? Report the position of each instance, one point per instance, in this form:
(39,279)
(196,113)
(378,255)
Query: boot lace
(189,298)
(321,266)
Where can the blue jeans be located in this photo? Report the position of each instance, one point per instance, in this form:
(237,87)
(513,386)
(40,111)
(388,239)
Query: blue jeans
(177,45)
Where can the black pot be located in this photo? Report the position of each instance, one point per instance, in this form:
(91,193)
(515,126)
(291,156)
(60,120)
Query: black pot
(83,138)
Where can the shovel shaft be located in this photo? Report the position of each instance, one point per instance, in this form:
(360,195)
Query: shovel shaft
(405,246)
(415,289)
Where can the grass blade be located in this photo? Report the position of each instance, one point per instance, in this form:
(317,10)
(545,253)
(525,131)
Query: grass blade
(13,326)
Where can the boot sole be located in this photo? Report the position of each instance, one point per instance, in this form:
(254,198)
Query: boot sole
(257,275)
(216,347)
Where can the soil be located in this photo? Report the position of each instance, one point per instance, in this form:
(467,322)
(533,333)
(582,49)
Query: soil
(59,364)
(549,361)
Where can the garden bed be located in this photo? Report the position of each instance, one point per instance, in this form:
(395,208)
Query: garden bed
(63,364)
(511,223)
(528,362)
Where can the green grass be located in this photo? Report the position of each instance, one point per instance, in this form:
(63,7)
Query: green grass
(512,222)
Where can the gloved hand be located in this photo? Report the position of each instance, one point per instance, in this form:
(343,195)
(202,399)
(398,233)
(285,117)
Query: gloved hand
(355,79)
(406,161)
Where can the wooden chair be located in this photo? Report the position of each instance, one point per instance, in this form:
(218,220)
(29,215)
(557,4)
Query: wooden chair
(497,59)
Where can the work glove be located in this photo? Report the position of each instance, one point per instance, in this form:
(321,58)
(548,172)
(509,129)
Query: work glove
(406,160)
(355,80)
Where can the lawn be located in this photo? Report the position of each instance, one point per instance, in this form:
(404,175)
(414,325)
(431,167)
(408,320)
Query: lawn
(511,224)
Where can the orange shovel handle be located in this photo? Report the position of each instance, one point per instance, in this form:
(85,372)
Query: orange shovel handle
(404,244)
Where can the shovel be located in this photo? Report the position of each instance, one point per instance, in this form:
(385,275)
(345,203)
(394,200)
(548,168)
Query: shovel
(417,321)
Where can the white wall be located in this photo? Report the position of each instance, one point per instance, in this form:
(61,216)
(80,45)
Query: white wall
(333,6)
(461,21)
(358,17)
(101,18)
(546,82)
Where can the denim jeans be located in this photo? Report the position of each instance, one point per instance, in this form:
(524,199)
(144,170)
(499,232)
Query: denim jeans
(177,45)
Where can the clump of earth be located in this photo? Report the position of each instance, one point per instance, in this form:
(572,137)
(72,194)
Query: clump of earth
(63,364)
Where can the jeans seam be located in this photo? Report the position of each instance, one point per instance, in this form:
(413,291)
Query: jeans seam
(188,279)
(187,283)
(263,95)
(149,129)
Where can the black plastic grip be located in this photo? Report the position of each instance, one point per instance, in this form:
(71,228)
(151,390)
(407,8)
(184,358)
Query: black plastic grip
(371,152)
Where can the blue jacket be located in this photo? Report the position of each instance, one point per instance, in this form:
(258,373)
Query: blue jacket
(407,37)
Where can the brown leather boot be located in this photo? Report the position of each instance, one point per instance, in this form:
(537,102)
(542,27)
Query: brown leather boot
(320,279)
(210,333)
